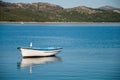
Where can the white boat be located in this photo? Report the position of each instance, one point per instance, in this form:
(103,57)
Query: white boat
(39,52)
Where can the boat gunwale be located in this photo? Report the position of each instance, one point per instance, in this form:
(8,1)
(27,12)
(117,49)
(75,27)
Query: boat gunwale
(40,49)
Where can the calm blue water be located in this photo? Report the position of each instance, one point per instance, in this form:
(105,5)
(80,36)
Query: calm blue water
(90,51)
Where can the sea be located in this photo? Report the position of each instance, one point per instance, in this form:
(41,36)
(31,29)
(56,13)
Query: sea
(91,51)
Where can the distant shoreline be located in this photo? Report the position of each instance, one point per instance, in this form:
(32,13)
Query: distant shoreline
(7,22)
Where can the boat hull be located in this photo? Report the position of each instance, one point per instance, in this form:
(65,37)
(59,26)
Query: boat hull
(29,52)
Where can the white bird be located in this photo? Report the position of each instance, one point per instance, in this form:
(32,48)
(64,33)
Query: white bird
(30,44)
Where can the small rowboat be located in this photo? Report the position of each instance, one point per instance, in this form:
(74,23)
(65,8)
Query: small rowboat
(39,52)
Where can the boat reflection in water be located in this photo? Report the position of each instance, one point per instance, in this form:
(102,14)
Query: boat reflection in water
(30,62)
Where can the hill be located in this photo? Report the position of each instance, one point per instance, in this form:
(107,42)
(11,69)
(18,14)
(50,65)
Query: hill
(108,8)
(46,12)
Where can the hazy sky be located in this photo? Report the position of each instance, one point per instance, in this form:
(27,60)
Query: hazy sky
(75,3)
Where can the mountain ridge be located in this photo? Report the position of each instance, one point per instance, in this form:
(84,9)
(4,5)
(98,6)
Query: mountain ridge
(43,12)
(107,7)
(24,5)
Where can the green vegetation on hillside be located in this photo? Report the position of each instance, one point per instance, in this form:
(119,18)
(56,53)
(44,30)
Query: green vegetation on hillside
(15,12)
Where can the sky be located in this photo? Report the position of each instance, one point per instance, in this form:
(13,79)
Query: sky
(74,3)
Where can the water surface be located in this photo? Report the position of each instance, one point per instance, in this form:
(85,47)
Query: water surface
(90,51)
